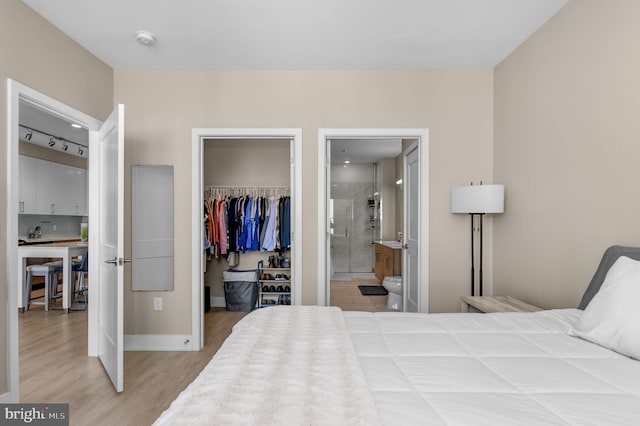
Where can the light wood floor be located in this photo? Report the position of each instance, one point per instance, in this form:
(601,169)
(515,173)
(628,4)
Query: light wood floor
(54,367)
(346,295)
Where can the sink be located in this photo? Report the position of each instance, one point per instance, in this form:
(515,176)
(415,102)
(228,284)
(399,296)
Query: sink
(392,244)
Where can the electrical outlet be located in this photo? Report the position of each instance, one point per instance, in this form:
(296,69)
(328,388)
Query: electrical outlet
(54,227)
(157,303)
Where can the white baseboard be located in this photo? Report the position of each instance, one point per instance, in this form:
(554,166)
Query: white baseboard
(5,398)
(158,342)
(218,302)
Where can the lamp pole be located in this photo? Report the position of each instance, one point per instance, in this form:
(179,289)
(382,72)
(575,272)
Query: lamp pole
(480,278)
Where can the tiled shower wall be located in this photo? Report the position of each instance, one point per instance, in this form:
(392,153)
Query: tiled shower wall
(352,228)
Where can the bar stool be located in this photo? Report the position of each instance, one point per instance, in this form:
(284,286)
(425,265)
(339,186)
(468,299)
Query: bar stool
(79,269)
(50,284)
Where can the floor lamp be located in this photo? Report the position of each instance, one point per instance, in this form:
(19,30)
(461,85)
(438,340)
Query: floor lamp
(477,200)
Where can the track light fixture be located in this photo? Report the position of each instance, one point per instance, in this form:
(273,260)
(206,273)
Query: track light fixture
(48,140)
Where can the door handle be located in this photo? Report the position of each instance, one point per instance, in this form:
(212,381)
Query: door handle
(117,261)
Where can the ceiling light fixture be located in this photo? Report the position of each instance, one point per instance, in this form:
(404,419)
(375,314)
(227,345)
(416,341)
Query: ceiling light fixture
(145,37)
(48,140)
(76,125)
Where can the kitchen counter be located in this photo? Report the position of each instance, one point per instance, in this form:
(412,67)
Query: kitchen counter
(59,250)
(48,239)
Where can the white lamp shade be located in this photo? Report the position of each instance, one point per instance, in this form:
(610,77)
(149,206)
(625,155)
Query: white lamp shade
(477,199)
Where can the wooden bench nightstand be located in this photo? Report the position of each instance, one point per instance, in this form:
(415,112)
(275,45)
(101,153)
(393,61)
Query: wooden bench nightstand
(489,304)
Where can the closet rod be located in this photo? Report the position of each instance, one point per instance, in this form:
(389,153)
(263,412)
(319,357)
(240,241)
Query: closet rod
(210,190)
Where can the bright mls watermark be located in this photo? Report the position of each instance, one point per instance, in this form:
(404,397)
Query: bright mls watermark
(34,414)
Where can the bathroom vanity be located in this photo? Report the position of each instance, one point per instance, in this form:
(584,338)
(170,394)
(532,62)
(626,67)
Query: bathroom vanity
(388,260)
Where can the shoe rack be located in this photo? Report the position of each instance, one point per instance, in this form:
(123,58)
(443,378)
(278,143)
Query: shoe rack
(274,282)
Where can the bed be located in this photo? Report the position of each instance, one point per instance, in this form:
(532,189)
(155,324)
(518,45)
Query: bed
(295,365)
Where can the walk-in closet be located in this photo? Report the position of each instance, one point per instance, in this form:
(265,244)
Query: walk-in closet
(247,217)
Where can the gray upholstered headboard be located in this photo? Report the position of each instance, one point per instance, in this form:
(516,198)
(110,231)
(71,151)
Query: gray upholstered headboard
(608,258)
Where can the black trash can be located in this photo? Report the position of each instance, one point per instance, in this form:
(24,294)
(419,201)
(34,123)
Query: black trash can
(240,289)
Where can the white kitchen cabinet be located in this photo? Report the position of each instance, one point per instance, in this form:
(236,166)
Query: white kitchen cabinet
(27,185)
(48,188)
(75,197)
(59,189)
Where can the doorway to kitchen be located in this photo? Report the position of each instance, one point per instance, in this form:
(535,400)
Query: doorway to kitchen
(23,104)
(363,212)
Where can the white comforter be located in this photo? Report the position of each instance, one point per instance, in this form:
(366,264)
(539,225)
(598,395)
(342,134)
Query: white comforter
(492,369)
(296,365)
(291,365)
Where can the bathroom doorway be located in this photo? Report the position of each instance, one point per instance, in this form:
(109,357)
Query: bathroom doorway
(361,204)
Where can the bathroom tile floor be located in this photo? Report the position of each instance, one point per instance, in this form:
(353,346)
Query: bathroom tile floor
(346,295)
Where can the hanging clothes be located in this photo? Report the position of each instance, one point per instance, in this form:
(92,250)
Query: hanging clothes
(223,234)
(232,216)
(255,225)
(249,222)
(285,222)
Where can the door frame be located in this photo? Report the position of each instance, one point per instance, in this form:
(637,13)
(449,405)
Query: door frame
(324,135)
(198,135)
(15,92)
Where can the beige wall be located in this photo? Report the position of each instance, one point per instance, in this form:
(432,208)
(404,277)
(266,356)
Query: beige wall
(567,150)
(33,52)
(456,105)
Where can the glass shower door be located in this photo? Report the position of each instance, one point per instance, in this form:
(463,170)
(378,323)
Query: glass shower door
(351,249)
(340,220)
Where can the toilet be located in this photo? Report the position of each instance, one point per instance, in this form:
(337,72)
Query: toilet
(394,287)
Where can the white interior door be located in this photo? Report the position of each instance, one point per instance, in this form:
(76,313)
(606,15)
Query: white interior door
(411,231)
(110,245)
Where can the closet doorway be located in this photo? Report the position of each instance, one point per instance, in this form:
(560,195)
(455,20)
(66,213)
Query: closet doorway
(248,163)
(335,235)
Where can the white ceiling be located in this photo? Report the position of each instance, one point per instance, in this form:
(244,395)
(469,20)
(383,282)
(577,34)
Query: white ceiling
(364,151)
(37,119)
(300,34)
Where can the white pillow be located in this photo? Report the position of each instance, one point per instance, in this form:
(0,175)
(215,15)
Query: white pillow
(612,318)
